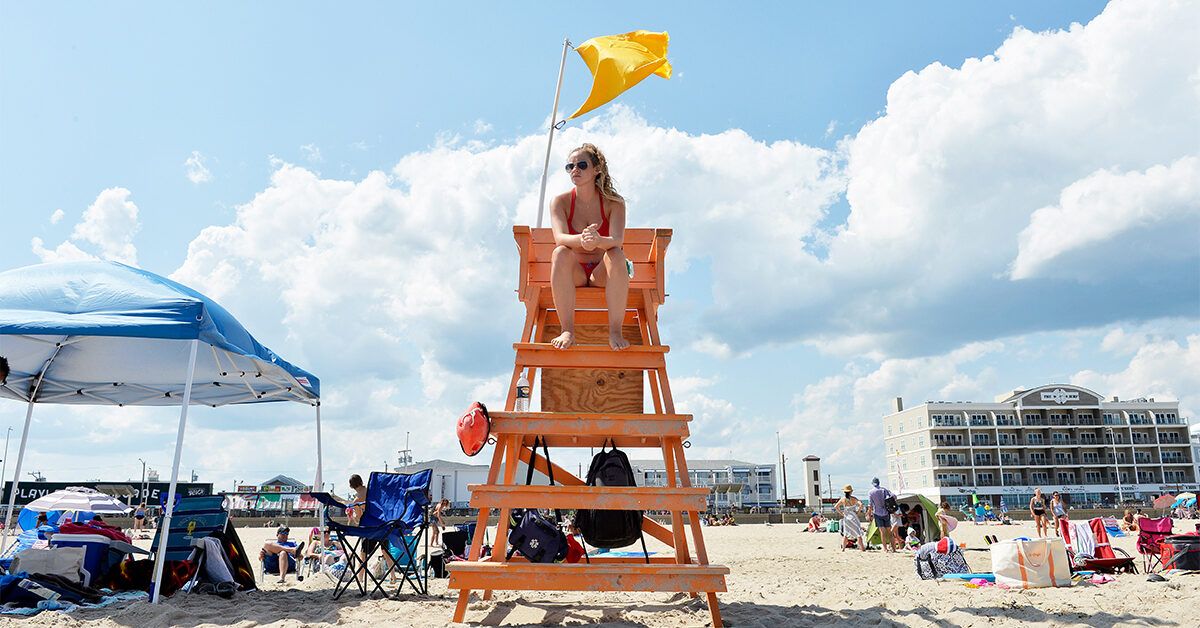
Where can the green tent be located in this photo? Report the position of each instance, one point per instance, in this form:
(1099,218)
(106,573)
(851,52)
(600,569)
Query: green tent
(930,531)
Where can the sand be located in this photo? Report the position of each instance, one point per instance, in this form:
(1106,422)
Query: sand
(780,576)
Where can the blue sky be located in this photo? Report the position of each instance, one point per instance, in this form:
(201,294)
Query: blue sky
(889,184)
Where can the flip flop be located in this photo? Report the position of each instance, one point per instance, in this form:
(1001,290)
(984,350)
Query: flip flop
(226,589)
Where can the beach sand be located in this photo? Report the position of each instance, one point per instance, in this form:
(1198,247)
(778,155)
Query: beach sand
(779,576)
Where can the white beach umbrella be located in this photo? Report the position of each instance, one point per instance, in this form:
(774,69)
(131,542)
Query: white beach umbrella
(79,499)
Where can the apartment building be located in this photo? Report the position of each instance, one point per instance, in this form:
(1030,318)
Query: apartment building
(1058,437)
(731,483)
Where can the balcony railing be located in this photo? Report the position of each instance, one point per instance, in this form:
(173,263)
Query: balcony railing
(1175,421)
(950,483)
(950,462)
(982,442)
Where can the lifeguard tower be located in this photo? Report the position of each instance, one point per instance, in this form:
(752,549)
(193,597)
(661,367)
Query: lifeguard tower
(590,394)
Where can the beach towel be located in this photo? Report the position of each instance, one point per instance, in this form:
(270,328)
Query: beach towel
(1083,541)
(851,527)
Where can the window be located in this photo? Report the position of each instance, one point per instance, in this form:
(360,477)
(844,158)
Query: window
(816,475)
(921,440)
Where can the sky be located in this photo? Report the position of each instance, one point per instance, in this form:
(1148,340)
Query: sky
(934,200)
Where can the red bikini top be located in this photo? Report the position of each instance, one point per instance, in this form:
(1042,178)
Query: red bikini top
(603,225)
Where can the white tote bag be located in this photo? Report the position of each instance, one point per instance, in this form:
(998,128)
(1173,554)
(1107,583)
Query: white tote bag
(1031,564)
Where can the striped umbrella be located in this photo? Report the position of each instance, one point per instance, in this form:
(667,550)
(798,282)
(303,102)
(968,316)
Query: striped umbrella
(78,498)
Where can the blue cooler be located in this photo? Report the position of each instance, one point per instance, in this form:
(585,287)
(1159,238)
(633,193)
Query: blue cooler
(95,559)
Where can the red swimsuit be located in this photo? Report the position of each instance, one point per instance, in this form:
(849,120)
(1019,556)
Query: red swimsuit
(588,267)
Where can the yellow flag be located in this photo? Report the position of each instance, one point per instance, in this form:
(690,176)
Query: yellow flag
(619,62)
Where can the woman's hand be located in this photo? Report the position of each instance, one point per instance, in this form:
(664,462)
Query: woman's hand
(590,238)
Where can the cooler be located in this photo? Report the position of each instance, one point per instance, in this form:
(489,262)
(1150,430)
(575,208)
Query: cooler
(95,559)
(1180,552)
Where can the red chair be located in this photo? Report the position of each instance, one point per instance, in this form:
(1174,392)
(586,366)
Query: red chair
(1151,533)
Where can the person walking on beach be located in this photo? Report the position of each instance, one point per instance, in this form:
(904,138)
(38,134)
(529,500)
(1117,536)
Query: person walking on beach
(946,521)
(139,519)
(848,508)
(439,522)
(1059,510)
(877,497)
(1037,509)
(589,254)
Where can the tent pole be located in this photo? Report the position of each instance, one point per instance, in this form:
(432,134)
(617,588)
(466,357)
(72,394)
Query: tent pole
(37,385)
(318,484)
(164,527)
(12,495)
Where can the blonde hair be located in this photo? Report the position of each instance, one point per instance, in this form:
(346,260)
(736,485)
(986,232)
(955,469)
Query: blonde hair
(603,180)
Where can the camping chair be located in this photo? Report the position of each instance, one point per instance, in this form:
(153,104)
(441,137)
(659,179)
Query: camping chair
(397,506)
(1088,549)
(193,519)
(1151,532)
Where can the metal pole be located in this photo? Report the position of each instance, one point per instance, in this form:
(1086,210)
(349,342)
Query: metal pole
(12,495)
(4,468)
(779,454)
(319,482)
(550,138)
(165,526)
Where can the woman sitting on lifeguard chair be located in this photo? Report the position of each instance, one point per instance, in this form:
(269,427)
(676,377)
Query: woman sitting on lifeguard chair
(589,228)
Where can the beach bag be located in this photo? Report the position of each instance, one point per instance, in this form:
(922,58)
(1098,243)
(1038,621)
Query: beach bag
(1031,564)
(60,561)
(532,534)
(473,428)
(941,558)
(610,529)
(890,505)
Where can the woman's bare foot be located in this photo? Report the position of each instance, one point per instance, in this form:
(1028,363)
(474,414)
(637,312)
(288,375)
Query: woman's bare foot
(617,341)
(564,340)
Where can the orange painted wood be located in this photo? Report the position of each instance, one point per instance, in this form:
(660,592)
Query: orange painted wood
(636,251)
(592,390)
(597,424)
(585,318)
(517,576)
(644,275)
(597,497)
(593,299)
(544,355)
(601,559)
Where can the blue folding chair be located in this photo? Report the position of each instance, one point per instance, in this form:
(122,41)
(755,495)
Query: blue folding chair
(397,506)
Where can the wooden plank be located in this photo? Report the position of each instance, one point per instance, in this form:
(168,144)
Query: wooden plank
(516,576)
(644,275)
(544,355)
(636,251)
(595,497)
(593,299)
(590,424)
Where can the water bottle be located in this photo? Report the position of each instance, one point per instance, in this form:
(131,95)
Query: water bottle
(522,404)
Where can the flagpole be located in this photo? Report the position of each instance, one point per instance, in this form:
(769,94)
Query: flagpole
(550,140)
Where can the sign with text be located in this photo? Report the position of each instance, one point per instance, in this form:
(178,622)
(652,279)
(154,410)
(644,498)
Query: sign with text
(152,494)
(1060,396)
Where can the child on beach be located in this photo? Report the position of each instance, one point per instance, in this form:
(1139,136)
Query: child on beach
(912,541)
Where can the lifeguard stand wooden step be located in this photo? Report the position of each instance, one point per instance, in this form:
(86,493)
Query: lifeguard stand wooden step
(590,395)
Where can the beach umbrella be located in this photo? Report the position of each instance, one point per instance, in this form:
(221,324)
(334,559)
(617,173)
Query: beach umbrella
(1164,501)
(103,333)
(78,498)
(1182,498)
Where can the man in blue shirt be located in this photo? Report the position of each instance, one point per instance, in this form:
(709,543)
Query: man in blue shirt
(877,498)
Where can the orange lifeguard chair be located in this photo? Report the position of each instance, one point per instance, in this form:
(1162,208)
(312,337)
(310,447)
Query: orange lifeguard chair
(590,394)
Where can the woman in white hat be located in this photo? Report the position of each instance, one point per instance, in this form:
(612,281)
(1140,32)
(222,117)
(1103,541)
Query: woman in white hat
(848,508)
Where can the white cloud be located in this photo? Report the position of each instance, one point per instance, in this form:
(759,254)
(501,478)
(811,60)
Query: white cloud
(197,172)
(57,216)
(1167,369)
(1132,216)
(312,153)
(482,127)
(108,226)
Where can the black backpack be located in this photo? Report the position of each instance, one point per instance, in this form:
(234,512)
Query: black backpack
(890,504)
(611,529)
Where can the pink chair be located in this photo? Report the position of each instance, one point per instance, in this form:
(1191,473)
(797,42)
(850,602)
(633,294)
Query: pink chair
(1151,533)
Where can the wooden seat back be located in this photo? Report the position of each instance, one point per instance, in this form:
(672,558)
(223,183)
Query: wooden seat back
(646,248)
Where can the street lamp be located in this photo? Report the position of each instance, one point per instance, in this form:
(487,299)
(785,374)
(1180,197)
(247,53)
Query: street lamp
(1112,442)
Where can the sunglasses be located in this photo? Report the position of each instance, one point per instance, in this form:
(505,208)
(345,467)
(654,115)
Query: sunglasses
(582,165)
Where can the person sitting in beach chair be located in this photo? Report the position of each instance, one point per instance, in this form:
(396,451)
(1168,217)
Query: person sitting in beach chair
(280,556)
(589,230)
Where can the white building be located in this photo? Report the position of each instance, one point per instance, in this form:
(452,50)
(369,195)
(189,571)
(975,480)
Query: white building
(812,483)
(1058,437)
(450,479)
(731,483)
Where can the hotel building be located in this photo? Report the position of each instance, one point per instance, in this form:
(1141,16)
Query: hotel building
(730,483)
(1058,437)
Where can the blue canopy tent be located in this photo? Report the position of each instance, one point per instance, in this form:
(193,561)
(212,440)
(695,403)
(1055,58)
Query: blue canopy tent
(103,333)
